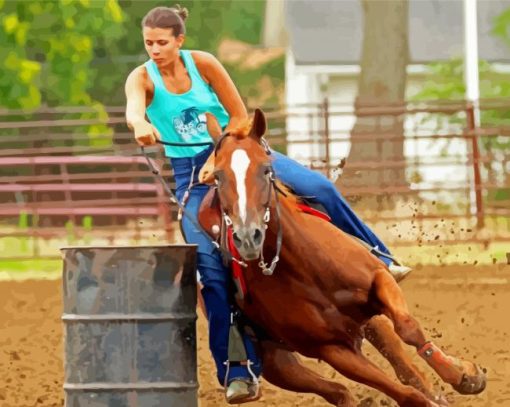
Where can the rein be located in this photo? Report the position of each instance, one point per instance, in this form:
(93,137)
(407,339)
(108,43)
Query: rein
(267,269)
(155,171)
(169,143)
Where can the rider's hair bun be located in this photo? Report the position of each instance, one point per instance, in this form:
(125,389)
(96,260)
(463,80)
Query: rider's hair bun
(181,11)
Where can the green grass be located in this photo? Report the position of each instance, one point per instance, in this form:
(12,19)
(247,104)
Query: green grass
(43,268)
(466,253)
(30,269)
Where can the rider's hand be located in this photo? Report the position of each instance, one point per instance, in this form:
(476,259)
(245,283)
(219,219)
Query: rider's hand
(146,134)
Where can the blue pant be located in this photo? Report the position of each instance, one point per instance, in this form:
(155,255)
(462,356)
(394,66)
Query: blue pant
(306,182)
(215,277)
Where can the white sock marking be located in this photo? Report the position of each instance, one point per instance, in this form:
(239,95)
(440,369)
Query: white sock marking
(239,164)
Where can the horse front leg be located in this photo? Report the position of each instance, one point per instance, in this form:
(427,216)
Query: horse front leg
(284,369)
(465,377)
(353,365)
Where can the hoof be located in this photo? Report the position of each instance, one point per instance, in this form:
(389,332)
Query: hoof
(472,384)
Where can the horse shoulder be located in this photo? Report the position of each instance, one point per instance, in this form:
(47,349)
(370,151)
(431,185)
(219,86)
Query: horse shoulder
(342,261)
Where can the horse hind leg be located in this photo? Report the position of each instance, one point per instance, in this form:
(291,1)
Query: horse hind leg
(355,366)
(465,377)
(380,333)
(284,369)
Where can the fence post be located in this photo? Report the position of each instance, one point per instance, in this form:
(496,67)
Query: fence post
(472,133)
(325,113)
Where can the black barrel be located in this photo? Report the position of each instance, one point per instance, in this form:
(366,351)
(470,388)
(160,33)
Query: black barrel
(130,326)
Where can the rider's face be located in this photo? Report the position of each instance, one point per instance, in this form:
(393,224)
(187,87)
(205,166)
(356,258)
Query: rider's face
(161,45)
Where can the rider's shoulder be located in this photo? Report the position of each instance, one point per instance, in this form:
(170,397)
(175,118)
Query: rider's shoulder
(139,75)
(203,58)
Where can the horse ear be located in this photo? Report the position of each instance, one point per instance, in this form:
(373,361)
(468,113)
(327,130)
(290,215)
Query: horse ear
(213,127)
(259,126)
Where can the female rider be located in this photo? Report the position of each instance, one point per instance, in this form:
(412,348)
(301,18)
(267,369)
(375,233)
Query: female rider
(174,89)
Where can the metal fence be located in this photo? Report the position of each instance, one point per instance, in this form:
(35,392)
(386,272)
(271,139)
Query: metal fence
(454,183)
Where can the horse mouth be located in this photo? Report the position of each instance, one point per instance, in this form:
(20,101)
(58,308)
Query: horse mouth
(250,254)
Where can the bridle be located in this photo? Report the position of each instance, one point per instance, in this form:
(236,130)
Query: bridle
(267,269)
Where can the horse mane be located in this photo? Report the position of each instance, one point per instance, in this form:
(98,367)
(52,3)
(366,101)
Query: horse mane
(290,198)
(242,130)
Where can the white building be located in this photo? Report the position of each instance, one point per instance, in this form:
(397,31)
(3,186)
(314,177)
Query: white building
(323,41)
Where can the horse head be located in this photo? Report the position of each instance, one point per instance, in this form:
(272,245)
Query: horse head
(243,175)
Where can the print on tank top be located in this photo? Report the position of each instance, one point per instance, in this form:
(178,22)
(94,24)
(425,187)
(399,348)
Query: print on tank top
(189,123)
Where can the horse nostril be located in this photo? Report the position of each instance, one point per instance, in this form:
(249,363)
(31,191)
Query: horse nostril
(237,241)
(257,237)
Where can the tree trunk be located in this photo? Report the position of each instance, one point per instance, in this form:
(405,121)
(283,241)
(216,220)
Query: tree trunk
(382,82)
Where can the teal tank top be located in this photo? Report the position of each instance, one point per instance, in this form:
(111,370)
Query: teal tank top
(181,117)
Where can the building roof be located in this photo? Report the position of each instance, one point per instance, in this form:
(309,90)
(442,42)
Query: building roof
(331,31)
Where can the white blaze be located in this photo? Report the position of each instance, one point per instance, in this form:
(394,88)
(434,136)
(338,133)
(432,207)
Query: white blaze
(239,164)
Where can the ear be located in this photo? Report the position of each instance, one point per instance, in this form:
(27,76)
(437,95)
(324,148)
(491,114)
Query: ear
(213,127)
(180,40)
(259,126)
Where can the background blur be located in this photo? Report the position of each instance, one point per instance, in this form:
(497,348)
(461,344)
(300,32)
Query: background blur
(380,83)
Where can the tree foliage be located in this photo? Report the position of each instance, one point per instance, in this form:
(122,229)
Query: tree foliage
(47,48)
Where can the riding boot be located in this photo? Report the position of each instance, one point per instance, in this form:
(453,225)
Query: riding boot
(242,391)
(399,272)
(239,390)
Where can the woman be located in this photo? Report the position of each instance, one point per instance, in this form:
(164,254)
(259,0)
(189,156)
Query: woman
(175,88)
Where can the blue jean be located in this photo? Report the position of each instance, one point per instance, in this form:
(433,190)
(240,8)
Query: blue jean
(216,278)
(306,182)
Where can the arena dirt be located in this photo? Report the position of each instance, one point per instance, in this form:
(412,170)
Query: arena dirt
(464,309)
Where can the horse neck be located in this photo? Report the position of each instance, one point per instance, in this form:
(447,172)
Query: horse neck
(293,235)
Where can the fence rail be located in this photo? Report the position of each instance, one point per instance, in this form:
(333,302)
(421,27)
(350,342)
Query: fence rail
(60,165)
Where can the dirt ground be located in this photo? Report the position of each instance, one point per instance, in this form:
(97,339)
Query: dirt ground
(464,309)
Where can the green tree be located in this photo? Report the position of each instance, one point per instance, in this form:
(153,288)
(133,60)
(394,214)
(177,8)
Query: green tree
(48,47)
(45,58)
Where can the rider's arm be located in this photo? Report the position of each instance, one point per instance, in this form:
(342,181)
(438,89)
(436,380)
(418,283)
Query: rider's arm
(135,96)
(136,90)
(217,76)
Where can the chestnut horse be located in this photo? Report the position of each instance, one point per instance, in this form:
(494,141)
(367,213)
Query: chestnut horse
(325,287)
